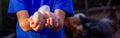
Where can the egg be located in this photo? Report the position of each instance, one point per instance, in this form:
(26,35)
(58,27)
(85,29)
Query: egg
(43,9)
(37,17)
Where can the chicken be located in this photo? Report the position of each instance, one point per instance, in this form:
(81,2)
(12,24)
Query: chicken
(103,28)
(73,27)
(79,26)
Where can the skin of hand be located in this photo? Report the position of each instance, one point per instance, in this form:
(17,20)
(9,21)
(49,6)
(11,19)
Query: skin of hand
(27,23)
(50,18)
(56,20)
(37,21)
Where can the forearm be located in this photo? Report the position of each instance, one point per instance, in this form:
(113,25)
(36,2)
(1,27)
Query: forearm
(23,17)
(61,14)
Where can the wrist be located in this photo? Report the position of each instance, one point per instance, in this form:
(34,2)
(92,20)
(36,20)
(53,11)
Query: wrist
(26,25)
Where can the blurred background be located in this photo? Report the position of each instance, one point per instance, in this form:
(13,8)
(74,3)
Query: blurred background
(7,24)
(92,8)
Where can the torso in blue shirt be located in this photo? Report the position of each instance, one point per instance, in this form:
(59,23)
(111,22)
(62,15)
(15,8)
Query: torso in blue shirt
(32,6)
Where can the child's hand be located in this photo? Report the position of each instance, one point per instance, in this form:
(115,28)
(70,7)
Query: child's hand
(36,21)
(57,23)
(53,20)
(56,20)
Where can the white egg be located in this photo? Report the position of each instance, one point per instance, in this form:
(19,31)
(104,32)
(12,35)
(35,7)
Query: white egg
(37,17)
(43,9)
(39,14)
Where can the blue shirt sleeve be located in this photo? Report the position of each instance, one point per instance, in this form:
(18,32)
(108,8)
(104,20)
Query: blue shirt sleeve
(65,5)
(16,5)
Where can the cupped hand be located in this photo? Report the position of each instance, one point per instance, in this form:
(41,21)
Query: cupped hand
(36,21)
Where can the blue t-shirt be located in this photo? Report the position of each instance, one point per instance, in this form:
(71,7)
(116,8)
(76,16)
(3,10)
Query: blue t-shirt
(32,6)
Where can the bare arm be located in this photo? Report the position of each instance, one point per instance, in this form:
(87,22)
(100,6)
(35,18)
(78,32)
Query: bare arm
(23,17)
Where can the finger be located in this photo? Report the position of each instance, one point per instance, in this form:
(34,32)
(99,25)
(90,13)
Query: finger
(37,28)
(51,21)
(43,22)
(55,21)
(47,23)
(30,19)
(35,24)
(31,23)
